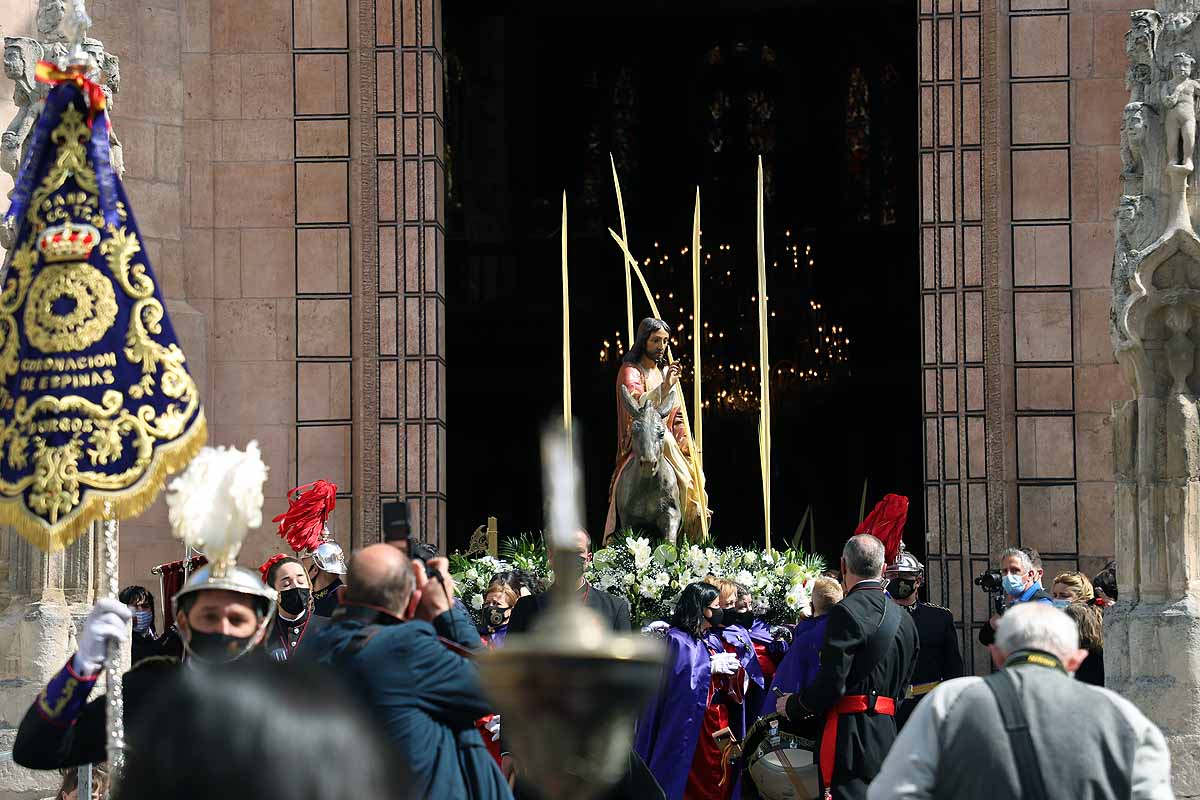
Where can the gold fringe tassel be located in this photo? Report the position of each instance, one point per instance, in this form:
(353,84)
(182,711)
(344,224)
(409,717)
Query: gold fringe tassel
(126,504)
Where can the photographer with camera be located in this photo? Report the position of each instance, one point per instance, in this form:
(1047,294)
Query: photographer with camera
(1015,583)
(402,643)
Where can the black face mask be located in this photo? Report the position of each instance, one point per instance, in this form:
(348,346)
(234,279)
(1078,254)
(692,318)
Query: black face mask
(902,589)
(295,600)
(743,618)
(217,648)
(718,617)
(495,616)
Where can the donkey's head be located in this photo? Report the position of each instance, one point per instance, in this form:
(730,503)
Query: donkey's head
(648,430)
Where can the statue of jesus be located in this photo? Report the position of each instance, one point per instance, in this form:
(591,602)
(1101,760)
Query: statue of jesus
(642,372)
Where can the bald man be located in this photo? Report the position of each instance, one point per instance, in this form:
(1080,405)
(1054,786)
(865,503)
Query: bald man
(401,642)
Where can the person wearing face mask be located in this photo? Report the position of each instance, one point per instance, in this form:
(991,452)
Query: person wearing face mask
(1019,580)
(146,641)
(222,615)
(294,617)
(939,658)
(770,641)
(1001,736)
(305,527)
(702,691)
(1071,587)
(497,606)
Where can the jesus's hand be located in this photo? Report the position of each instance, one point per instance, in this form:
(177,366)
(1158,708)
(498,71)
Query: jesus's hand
(672,373)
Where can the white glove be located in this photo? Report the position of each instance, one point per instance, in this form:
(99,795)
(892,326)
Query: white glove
(492,726)
(725,664)
(108,619)
(657,627)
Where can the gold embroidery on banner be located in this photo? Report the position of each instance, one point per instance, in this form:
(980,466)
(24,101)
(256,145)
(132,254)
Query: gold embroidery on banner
(61,444)
(81,326)
(72,136)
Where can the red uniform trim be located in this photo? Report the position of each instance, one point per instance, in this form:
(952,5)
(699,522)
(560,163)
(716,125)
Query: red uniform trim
(851,704)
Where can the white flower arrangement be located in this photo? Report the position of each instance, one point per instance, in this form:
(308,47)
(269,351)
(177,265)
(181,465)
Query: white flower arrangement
(652,576)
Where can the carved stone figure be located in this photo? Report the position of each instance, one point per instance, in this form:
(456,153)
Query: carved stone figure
(21,55)
(1140,44)
(1179,105)
(50,16)
(1133,137)
(20,60)
(1176,26)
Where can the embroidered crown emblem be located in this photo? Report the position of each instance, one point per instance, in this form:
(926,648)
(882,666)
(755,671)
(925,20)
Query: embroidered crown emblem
(69,242)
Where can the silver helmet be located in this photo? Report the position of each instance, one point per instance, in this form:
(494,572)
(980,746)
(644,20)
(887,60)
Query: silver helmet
(904,565)
(233,579)
(329,557)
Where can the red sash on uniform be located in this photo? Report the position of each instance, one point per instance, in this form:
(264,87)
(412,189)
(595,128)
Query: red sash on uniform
(852,704)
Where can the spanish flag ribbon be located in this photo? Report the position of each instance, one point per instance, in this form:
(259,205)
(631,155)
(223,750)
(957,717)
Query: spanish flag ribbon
(48,72)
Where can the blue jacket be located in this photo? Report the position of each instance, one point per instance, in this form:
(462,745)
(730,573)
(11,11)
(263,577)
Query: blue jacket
(426,696)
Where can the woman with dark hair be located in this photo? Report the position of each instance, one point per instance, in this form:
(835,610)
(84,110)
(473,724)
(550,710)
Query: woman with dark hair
(702,691)
(294,617)
(146,641)
(246,732)
(145,638)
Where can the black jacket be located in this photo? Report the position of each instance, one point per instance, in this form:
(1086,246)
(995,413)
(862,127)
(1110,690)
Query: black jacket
(863,740)
(940,658)
(50,739)
(613,609)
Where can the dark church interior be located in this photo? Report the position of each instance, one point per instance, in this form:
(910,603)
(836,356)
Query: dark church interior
(539,94)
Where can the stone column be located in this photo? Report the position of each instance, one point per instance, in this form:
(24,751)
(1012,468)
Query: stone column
(1153,636)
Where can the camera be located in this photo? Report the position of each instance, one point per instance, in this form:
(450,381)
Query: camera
(990,581)
(395,524)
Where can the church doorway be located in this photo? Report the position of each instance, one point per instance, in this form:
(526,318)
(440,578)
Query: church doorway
(538,95)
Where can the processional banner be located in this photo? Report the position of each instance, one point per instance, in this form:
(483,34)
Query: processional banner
(96,403)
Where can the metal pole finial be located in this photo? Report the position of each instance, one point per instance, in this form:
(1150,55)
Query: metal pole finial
(75,26)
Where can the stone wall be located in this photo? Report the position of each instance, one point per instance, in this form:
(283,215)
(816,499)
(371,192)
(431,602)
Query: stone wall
(1020,168)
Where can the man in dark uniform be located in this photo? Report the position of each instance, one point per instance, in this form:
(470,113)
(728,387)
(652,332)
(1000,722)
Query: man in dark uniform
(222,613)
(220,618)
(612,609)
(940,658)
(867,662)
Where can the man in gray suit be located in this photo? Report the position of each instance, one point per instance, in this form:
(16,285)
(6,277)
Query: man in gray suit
(1027,727)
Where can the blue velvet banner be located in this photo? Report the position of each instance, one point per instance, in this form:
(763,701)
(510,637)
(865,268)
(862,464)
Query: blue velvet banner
(96,403)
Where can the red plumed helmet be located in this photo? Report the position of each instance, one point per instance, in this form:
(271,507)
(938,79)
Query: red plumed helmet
(886,523)
(303,524)
(270,562)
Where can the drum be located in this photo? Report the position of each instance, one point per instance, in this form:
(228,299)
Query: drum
(772,751)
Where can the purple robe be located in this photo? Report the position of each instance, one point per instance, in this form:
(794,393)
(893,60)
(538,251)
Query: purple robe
(799,667)
(496,638)
(669,729)
(761,632)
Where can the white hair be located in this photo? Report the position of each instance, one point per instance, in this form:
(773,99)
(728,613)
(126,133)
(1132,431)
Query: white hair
(1037,626)
(1020,555)
(864,556)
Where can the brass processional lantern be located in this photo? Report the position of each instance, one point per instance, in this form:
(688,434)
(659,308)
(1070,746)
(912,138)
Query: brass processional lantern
(569,691)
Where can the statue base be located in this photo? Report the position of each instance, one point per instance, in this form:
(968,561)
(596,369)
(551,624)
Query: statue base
(1152,658)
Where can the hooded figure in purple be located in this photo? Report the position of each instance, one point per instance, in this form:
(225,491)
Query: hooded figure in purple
(673,735)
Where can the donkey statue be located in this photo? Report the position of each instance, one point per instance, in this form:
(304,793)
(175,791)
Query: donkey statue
(647,492)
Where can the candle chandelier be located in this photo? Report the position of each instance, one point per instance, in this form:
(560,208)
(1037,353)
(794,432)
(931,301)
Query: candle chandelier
(812,347)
